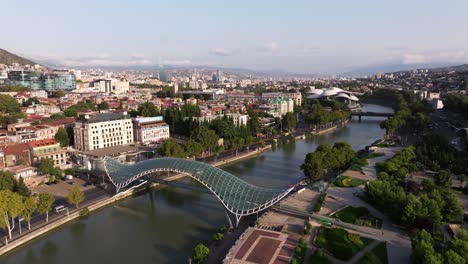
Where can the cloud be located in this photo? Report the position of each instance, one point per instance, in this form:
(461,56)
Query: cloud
(396,48)
(222,51)
(435,56)
(268,47)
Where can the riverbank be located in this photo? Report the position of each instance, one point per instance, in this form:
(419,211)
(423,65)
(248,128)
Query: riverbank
(44,228)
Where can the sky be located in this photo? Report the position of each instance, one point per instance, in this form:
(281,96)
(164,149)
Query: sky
(310,36)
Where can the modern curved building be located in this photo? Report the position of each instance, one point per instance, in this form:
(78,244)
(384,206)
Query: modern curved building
(338,94)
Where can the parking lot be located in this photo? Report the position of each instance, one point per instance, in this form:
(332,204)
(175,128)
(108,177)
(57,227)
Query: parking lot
(61,188)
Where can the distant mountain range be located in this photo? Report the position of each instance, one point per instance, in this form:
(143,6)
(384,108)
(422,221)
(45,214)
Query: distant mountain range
(9,58)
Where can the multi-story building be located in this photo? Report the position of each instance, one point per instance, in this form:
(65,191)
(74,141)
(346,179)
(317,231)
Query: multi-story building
(148,130)
(110,86)
(14,154)
(296,97)
(238,119)
(48,148)
(102,131)
(58,79)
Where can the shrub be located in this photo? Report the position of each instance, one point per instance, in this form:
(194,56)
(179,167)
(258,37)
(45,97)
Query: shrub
(218,236)
(319,203)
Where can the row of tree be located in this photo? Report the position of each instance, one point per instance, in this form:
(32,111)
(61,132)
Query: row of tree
(425,206)
(319,115)
(326,160)
(14,206)
(457,103)
(409,112)
(425,251)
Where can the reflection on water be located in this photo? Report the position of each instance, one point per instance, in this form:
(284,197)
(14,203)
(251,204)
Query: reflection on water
(163,225)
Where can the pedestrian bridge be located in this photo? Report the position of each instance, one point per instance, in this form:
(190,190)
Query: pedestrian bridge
(237,196)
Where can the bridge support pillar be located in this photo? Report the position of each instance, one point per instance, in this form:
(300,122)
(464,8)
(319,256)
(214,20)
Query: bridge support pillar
(229,219)
(360,117)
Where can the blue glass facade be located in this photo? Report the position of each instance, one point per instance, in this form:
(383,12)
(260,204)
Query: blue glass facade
(51,81)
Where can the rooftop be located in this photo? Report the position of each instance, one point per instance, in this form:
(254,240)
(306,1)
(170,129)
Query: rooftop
(103,117)
(42,143)
(112,151)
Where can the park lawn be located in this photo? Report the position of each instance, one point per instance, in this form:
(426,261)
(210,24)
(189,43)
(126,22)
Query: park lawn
(347,182)
(339,242)
(358,216)
(357,164)
(378,255)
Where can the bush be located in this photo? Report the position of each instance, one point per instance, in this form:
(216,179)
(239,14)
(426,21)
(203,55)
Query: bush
(218,236)
(346,181)
(339,242)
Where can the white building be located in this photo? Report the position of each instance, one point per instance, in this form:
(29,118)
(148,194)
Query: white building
(150,129)
(238,119)
(110,86)
(103,130)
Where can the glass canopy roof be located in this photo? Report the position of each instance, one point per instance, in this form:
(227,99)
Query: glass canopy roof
(237,196)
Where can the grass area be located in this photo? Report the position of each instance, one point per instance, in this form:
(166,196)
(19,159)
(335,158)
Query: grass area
(299,252)
(347,182)
(375,155)
(319,203)
(339,242)
(378,255)
(358,216)
(318,258)
(357,164)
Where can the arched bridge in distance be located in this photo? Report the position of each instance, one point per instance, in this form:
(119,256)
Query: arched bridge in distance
(237,196)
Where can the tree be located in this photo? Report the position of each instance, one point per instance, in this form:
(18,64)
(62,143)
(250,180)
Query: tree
(70,112)
(147,109)
(237,143)
(11,205)
(30,206)
(200,253)
(7,180)
(193,148)
(62,137)
(443,178)
(57,94)
(21,188)
(46,165)
(289,121)
(103,105)
(170,148)
(30,101)
(423,249)
(44,204)
(75,196)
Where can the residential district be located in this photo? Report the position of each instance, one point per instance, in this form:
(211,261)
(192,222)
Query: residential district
(64,133)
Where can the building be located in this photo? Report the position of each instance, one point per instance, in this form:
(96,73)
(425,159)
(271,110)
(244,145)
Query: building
(58,79)
(296,97)
(28,173)
(148,130)
(102,131)
(14,154)
(110,86)
(238,119)
(48,148)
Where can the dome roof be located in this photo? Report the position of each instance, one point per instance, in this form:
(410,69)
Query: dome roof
(354,98)
(343,95)
(314,96)
(315,91)
(330,92)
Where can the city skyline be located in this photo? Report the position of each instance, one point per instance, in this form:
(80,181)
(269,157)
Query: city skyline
(305,37)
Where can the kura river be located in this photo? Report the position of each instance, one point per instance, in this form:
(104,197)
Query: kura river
(164,224)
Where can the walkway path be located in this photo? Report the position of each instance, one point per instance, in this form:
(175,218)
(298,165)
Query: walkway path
(370,169)
(398,243)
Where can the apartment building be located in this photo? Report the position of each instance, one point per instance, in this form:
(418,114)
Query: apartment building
(103,130)
(150,129)
(48,148)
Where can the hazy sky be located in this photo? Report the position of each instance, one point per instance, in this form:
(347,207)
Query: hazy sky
(299,36)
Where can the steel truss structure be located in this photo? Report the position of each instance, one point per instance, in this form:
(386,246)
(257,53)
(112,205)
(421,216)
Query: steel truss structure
(237,196)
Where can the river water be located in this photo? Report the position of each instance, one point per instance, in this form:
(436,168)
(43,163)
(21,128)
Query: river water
(164,224)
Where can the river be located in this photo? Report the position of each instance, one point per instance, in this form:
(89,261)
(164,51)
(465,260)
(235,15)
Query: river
(164,224)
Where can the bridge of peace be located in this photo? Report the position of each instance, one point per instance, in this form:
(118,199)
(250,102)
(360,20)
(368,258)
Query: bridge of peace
(237,196)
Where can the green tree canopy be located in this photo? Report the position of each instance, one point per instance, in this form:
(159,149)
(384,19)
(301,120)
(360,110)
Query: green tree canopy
(170,148)
(147,109)
(103,105)
(75,196)
(7,180)
(201,253)
(44,204)
(62,137)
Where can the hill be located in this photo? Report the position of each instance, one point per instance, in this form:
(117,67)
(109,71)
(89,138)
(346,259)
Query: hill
(458,68)
(9,58)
